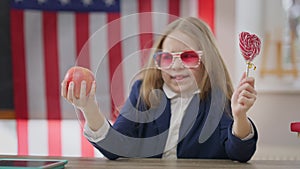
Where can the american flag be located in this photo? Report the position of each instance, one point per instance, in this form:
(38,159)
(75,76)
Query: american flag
(110,37)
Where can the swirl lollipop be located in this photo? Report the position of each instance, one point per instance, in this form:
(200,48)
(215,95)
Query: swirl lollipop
(250,48)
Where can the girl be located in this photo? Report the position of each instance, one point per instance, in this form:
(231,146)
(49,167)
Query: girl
(182,107)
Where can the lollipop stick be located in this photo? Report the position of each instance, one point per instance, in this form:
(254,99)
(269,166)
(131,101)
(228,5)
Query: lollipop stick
(247,70)
(250,65)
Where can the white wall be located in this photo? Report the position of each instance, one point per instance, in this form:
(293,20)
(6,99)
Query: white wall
(273,113)
(225,32)
(274,110)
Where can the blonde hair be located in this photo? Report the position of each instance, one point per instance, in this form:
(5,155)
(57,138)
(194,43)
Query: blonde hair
(213,69)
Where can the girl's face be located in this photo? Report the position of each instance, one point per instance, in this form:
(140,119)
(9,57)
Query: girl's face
(178,78)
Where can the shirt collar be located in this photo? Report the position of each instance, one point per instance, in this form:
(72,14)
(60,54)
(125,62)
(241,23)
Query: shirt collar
(170,94)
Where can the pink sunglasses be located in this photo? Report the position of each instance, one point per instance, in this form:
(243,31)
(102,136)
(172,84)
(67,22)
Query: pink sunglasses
(189,59)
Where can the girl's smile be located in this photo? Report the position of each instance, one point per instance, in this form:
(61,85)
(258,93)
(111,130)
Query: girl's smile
(180,77)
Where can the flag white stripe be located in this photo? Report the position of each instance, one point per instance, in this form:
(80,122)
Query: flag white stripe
(161,18)
(35,65)
(97,39)
(184,8)
(71,138)
(66,55)
(130,42)
(188,8)
(99,60)
(37,137)
(193,8)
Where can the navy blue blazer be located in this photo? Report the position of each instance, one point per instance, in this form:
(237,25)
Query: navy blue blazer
(142,132)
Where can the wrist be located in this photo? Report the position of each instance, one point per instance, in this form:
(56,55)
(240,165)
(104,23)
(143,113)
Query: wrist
(241,126)
(240,117)
(91,106)
(93,116)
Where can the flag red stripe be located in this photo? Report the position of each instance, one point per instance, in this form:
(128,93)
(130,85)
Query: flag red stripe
(87,150)
(83,59)
(19,64)
(145,25)
(54,138)
(115,60)
(22,130)
(206,11)
(51,65)
(173,9)
(82,36)
(19,79)
(52,82)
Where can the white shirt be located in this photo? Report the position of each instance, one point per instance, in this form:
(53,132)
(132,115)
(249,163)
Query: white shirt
(178,107)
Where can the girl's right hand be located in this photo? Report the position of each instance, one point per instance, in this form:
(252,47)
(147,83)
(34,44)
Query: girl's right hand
(87,103)
(85,100)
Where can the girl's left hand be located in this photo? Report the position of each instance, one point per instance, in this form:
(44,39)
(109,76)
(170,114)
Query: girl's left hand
(243,97)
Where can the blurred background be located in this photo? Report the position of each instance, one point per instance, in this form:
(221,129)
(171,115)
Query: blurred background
(41,39)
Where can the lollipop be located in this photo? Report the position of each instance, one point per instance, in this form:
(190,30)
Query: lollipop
(250,48)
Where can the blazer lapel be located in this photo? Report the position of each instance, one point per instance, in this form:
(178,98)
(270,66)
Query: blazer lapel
(163,122)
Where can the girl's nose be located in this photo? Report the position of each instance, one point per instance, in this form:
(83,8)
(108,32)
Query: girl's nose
(177,63)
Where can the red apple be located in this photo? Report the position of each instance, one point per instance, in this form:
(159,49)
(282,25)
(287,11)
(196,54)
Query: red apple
(78,74)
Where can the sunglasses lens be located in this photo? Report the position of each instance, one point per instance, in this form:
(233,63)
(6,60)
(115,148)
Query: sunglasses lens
(190,58)
(164,59)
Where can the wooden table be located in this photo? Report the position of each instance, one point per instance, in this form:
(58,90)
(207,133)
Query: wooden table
(100,163)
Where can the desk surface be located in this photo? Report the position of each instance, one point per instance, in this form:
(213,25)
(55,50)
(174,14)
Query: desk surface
(100,163)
